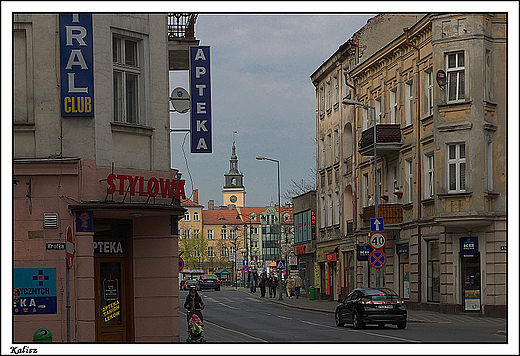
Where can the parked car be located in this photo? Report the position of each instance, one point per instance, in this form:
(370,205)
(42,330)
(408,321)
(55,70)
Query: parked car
(208,281)
(371,306)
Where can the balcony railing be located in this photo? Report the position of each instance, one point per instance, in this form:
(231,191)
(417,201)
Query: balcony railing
(181,26)
(388,139)
(392,213)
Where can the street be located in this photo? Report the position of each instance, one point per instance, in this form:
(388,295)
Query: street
(234,316)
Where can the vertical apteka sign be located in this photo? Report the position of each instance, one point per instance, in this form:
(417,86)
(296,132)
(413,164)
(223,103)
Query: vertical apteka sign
(200,96)
(76,64)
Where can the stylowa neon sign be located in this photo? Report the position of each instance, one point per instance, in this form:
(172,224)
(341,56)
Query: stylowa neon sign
(151,188)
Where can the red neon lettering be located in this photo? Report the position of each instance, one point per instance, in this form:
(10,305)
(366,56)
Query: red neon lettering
(133,182)
(180,190)
(142,193)
(121,178)
(153,187)
(111,186)
(166,187)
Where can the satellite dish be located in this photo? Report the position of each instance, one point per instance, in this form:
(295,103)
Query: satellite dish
(180,100)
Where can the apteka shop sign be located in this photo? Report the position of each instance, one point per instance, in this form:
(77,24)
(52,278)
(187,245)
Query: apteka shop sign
(146,187)
(76,65)
(200,95)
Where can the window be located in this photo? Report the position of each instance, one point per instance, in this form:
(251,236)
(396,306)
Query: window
(322,153)
(232,234)
(488,94)
(329,98)
(456,76)
(210,234)
(365,119)
(429,176)
(196,233)
(434,275)
(429,91)
(196,216)
(232,250)
(322,101)
(196,252)
(187,216)
(22,73)
(408,105)
(223,234)
(393,106)
(336,145)
(329,149)
(457,167)
(489,164)
(187,233)
(323,212)
(409,181)
(224,252)
(211,252)
(346,88)
(379,114)
(126,76)
(366,191)
(336,89)
(330,207)
(336,208)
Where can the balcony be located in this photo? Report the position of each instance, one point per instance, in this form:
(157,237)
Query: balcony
(181,35)
(388,140)
(391,213)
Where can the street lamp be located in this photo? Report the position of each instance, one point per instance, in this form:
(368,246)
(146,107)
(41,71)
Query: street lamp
(262,158)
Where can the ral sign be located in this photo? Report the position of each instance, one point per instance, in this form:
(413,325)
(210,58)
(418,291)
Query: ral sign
(34,291)
(200,90)
(76,65)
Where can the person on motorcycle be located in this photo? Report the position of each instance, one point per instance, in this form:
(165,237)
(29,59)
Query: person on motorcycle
(194,302)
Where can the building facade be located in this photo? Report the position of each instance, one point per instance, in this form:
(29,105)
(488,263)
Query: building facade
(92,175)
(436,96)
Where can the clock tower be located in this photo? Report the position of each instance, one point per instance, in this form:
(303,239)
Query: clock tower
(234,191)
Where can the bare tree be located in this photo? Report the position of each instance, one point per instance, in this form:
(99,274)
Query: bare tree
(301,187)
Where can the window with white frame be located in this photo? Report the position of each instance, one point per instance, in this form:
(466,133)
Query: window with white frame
(409,179)
(379,114)
(455,70)
(329,149)
(457,167)
(224,252)
(365,118)
(187,233)
(232,234)
(187,216)
(232,250)
(429,176)
(322,100)
(429,90)
(196,216)
(393,106)
(336,89)
(127,69)
(196,252)
(329,97)
(196,233)
(408,104)
(211,252)
(223,234)
(336,145)
(211,236)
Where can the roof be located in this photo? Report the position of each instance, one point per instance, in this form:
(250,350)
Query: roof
(188,203)
(220,217)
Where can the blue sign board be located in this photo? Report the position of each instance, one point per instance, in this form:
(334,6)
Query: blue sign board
(377,225)
(363,252)
(200,96)
(469,246)
(34,291)
(84,221)
(76,65)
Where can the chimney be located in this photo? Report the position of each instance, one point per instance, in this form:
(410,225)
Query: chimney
(196,196)
(211,204)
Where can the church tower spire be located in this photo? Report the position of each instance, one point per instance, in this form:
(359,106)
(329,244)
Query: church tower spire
(234,191)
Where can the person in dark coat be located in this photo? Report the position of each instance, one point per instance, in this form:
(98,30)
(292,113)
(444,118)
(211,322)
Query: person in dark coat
(263,284)
(193,302)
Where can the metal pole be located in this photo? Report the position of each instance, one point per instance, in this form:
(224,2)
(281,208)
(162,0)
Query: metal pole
(280,230)
(67,282)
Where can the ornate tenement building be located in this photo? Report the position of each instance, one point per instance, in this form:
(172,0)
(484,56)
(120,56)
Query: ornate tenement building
(436,94)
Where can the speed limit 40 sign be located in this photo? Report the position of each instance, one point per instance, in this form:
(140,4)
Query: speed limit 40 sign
(377,240)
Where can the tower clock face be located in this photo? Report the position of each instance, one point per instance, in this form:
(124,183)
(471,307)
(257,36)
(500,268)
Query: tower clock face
(233,198)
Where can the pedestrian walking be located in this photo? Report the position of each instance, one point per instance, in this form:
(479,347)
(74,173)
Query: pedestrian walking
(297,285)
(255,280)
(274,285)
(289,286)
(263,284)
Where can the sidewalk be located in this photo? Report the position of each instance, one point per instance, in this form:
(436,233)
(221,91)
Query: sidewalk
(419,316)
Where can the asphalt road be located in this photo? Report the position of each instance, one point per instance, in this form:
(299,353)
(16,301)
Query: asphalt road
(234,317)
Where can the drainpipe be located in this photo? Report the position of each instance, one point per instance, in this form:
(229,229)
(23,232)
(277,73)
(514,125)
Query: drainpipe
(419,183)
(353,157)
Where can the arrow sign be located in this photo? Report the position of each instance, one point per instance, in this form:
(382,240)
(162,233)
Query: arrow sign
(376,225)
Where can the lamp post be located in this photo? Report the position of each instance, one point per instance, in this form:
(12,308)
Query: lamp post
(376,206)
(262,158)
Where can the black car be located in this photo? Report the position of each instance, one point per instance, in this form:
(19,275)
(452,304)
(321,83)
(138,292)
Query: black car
(208,281)
(371,306)
(189,283)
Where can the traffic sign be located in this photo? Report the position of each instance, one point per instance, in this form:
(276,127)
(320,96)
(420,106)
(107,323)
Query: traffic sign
(252,263)
(377,224)
(69,245)
(377,259)
(245,269)
(377,240)
(181,264)
(280,264)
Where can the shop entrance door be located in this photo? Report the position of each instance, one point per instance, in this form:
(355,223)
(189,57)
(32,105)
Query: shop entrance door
(471,283)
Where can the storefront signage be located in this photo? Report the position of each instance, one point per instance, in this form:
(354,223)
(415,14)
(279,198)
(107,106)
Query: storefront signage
(317,276)
(200,96)
(332,257)
(300,249)
(320,256)
(469,246)
(76,64)
(109,247)
(34,291)
(472,299)
(151,188)
(84,221)
(110,305)
(363,252)
(401,248)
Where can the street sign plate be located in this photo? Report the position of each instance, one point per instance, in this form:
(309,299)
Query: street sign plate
(377,240)
(69,246)
(377,259)
(377,224)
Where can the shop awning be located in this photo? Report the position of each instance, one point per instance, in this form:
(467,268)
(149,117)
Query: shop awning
(273,264)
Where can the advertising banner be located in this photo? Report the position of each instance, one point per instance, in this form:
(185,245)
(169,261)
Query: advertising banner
(76,65)
(34,291)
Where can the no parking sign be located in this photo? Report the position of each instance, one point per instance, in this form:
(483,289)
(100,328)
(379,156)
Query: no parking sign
(377,259)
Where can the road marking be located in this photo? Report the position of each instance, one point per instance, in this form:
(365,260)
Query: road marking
(325,326)
(283,317)
(227,306)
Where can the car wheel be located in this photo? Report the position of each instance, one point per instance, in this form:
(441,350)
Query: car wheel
(357,323)
(401,325)
(338,321)
(217,289)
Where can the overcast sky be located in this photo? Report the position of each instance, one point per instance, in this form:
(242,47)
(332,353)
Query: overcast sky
(261,88)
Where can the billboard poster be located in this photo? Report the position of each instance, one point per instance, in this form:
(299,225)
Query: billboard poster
(76,65)
(34,291)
